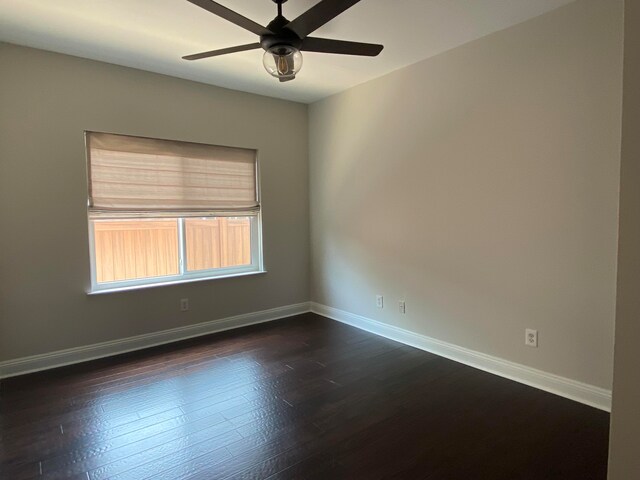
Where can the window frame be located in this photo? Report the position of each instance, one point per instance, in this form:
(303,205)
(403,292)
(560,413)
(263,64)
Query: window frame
(257,265)
(184,276)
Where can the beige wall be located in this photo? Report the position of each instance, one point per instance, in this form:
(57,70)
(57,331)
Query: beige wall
(481,186)
(624,459)
(46,101)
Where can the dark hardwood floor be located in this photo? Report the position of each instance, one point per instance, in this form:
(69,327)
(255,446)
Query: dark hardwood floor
(301,398)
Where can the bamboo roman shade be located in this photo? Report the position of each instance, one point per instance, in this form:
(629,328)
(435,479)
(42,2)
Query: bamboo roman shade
(134,176)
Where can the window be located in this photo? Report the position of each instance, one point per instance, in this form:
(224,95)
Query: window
(163,211)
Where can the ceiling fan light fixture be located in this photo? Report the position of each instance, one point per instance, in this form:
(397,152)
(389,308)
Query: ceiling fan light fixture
(283,40)
(282,61)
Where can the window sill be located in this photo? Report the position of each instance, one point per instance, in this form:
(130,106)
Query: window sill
(171,282)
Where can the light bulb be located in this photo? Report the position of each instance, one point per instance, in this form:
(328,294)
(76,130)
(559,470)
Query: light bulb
(283,66)
(282,61)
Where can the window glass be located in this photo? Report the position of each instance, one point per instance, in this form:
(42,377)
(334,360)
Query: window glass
(134,249)
(217,242)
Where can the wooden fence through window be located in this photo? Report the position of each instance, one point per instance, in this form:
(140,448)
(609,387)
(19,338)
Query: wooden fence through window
(130,249)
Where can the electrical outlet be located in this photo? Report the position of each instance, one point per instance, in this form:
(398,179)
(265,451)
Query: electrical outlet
(184,304)
(379,301)
(531,338)
(402,307)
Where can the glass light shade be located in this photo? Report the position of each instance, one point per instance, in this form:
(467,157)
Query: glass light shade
(282,61)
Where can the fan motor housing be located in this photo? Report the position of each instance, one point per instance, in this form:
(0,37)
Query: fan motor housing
(281,35)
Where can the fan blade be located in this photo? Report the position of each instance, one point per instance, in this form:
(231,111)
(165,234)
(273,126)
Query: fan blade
(342,47)
(318,15)
(287,79)
(222,51)
(231,16)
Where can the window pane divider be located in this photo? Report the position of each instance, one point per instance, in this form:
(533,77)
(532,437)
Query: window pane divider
(182,247)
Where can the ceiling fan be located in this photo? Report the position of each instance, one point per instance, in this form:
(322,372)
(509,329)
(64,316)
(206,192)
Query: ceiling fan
(283,40)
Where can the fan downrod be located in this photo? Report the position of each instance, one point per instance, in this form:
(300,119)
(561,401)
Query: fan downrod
(279,3)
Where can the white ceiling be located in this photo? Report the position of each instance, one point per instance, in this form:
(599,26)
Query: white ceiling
(153,35)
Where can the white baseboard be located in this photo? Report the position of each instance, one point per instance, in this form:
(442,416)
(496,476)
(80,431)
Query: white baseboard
(584,393)
(70,356)
(565,387)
